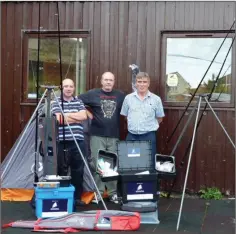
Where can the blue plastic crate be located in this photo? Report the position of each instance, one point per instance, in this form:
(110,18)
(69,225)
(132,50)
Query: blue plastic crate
(54,202)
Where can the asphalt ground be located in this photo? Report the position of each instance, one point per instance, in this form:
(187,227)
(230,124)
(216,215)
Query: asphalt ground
(198,216)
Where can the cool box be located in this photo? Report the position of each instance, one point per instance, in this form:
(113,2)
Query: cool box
(54,202)
(136,157)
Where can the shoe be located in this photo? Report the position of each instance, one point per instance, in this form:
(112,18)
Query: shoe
(80,203)
(114,198)
(96,199)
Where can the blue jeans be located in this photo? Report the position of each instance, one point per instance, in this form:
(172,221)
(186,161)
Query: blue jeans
(150,136)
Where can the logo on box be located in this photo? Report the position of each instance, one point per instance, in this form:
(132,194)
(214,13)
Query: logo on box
(54,206)
(140,189)
(133,152)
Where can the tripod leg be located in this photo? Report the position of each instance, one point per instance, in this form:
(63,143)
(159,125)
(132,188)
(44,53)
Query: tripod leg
(54,146)
(21,138)
(183,131)
(82,156)
(189,160)
(48,163)
(177,143)
(220,122)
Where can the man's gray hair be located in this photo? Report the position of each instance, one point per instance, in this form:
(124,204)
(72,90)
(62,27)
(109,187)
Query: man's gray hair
(141,75)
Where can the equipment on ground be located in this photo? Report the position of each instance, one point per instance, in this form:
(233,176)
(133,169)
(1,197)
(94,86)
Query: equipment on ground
(112,220)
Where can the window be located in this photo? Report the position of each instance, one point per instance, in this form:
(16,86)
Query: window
(186,59)
(74,54)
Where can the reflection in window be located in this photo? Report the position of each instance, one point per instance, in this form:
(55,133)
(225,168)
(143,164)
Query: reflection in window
(186,63)
(73,56)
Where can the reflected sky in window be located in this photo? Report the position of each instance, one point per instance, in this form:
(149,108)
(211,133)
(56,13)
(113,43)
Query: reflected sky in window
(191,57)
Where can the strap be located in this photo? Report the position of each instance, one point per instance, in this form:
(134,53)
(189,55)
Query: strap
(96,220)
(36,227)
(7,225)
(67,230)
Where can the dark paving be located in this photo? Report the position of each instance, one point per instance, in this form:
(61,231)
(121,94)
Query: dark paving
(218,217)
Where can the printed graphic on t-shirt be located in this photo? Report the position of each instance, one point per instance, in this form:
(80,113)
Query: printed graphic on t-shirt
(108,108)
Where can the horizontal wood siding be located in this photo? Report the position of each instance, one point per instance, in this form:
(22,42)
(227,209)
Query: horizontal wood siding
(123,33)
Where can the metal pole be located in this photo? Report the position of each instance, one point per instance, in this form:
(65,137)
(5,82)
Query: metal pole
(189,160)
(47,130)
(24,131)
(219,122)
(82,156)
(183,131)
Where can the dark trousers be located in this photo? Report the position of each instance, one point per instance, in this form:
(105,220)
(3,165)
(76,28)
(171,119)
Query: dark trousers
(72,158)
(150,136)
(87,146)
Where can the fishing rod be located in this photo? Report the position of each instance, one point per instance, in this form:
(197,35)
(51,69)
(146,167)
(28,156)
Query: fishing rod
(61,82)
(36,178)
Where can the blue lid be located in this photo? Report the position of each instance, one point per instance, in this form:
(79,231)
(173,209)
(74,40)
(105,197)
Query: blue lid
(134,155)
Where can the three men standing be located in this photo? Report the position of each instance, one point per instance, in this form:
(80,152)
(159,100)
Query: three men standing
(144,113)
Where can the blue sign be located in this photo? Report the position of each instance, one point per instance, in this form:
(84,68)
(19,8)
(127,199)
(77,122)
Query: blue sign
(55,205)
(133,152)
(140,188)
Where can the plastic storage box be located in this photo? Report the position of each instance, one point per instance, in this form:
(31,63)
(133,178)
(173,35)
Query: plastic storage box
(165,158)
(139,187)
(148,211)
(149,217)
(54,202)
(135,157)
(140,207)
(111,158)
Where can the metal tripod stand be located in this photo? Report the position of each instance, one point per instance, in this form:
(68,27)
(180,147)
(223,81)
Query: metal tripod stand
(196,108)
(49,90)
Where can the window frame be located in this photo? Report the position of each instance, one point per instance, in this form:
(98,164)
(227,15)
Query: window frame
(194,34)
(28,34)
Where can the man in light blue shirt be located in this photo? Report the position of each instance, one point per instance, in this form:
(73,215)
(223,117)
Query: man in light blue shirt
(144,112)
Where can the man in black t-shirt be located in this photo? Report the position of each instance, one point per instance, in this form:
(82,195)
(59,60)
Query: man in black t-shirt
(105,104)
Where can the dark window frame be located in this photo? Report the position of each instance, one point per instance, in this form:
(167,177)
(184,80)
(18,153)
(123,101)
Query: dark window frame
(28,34)
(194,34)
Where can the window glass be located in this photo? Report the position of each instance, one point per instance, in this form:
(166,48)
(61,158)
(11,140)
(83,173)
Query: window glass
(187,60)
(73,63)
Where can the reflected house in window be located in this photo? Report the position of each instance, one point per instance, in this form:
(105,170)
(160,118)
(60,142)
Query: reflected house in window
(222,90)
(177,87)
(224,84)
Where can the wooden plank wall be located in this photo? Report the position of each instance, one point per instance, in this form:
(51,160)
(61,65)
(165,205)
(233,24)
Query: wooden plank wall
(123,33)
